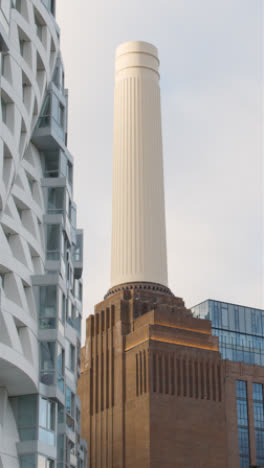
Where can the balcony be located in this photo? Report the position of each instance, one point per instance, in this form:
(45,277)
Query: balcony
(49,133)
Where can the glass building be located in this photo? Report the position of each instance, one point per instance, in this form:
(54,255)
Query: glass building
(40,248)
(240,330)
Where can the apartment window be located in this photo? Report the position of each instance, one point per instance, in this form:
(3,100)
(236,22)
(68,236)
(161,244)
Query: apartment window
(69,402)
(18,5)
(55,200)
(61,115)
(242,419)
(48,307)
(25,410)
(53,241)
(52,160)
(4,110)
(47,362)
(52,6)
(77,322)
(47,421)
(80,291)
(70,317)
(69,173)
(70,356)
(60,367)
(61,450)
(27,461)
(78,248)
(61,413)
(259,421)
(44,119)
(44,462)
(63,308)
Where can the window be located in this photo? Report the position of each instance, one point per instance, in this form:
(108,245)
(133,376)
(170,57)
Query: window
(48,306)
(80,292)
(69,173)
(217,316)
(69,404)
(55,200)
(242,419)
(27,461)
(44,462)
(52,6)
(47,362)
(52,160)
(47,421)
(18,5)
(69,401)
(60,367)
(70,314)
(53,241)
(259,421)
(63,308)
(44,119)
(61,115)
(61,416)
(25,410)
(61,448)
(4,110)
(70,356)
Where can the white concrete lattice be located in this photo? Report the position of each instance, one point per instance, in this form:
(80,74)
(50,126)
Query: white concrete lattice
(27,69)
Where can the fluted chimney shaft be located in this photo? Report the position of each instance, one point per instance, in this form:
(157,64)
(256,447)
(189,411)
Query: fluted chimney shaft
(138,214)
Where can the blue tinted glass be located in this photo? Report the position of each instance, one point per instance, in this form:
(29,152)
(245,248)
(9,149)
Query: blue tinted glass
(241,389)
(46,436)
(68,400)
(242,419)
(27,461)
(244,462)
(257,391)
(43,412)
(242,416)
(258,421)
(243,441)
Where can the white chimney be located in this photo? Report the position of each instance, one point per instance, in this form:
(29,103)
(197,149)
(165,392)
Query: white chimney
(138,213)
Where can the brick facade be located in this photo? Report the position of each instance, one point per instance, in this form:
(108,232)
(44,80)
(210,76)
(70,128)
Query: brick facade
(154,389)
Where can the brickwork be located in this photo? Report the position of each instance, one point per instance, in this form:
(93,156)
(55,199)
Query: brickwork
(154,390)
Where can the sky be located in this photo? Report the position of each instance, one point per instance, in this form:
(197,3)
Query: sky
(211,58)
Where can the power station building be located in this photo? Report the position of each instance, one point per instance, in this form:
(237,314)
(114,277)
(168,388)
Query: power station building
(154,388)
(40,248)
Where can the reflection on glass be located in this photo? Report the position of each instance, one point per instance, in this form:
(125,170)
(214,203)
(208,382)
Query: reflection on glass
(53,241)
(48,306)
(52,161)
(242,419)
(27,461)
(259,421)
(55,200)
(60,368)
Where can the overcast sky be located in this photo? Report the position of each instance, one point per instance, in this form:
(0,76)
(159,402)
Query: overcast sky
(211,56)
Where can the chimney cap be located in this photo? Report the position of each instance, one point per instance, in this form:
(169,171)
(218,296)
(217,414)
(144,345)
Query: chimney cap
(137,47)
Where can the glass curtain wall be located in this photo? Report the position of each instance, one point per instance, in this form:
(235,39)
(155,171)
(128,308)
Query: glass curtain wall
(242,421)
(259,421)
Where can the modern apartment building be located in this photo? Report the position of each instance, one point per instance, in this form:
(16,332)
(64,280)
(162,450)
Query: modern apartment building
(40,248)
